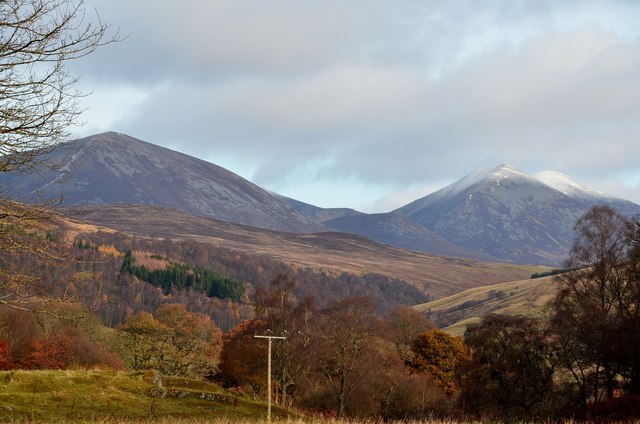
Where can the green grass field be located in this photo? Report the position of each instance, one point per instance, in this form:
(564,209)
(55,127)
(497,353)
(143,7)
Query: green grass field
(113,397)
(110,397)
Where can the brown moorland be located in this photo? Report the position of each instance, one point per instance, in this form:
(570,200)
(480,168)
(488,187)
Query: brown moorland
(526,297)
(331,252)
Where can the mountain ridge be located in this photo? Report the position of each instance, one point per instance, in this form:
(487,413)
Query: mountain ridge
(116,168)
(316,212)
(497,214)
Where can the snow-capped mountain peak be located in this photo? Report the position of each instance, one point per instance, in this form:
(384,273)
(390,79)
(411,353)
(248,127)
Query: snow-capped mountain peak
(493,176)
(508,214)
(564,184)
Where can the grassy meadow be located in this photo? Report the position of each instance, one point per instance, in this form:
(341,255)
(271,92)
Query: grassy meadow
(528,297)
(112,397)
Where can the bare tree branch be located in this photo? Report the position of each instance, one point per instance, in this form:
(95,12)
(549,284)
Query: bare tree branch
(39,101)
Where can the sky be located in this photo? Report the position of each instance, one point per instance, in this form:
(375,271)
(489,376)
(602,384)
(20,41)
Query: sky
(371,104)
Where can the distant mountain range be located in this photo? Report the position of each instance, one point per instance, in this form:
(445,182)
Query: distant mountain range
(495,214)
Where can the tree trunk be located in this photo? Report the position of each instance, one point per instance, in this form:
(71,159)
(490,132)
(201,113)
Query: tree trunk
(341,396)
(340,405)
(283,395)
(609,381)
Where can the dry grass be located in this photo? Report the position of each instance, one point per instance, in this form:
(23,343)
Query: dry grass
(109,397)
(329,252)
(149,260)
(526,297)
(302,421)
(227,420)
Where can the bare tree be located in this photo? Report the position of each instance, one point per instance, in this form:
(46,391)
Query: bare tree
(629,334)
(346,334)
(589,310)
(38,103)
(403,325)
(511,369)
(285,315)
(39,97)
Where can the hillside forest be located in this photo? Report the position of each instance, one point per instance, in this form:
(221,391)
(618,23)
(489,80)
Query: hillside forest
(109,300)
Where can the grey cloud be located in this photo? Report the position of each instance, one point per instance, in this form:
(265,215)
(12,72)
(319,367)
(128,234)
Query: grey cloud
(390,93)
(227,39)
(507,101)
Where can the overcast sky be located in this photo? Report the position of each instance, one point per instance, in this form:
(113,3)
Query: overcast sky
(372,104)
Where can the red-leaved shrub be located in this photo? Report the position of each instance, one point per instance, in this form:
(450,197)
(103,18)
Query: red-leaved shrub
(5,360)
(56,352)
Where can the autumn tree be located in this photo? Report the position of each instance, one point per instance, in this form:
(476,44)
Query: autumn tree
(382,386)
(346,331)
(5,359)
(38,104)
(193,345)
(402,326)
(55,352)
(284,315)
(590,308)
(276,297)
(439,354)
(175,341)
(511,368)
(243,362)
(18,328)
(143,340)
(43,341)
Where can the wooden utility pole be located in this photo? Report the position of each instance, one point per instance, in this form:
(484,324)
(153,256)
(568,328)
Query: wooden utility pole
(270,339)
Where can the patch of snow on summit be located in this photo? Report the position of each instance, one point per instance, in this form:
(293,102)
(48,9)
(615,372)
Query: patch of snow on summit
(494,175)
(567,186)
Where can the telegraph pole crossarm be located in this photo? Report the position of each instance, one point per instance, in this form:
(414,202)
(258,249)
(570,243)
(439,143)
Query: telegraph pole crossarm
(270,339)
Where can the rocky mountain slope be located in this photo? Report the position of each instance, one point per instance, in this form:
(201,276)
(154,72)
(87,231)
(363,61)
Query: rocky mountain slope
(510,215)
(115,168)
(398,230)
(390,228)
(317,213)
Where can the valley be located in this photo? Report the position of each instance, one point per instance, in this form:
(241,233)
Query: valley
(331,252)
(319,212)
(184,291)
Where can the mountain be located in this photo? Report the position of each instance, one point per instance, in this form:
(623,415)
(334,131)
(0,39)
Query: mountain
(588,195)
(508,214)
(496,214)
(389,228)
(398,230)
(317,213)
(115,168)
(564,184)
